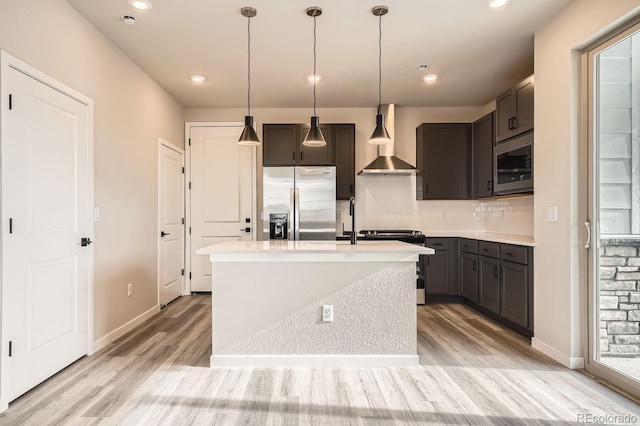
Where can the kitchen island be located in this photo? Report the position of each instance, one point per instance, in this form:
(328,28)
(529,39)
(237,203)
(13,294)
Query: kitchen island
(268,298)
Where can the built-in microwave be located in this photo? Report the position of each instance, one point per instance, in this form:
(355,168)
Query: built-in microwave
(513,165)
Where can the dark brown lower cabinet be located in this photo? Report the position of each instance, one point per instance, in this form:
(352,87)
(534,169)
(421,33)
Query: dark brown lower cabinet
(469,276)
(489,284)
(515,298)
(441,272)
(437,273)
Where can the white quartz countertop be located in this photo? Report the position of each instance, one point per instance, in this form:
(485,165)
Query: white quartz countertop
(315,251)
(521,240)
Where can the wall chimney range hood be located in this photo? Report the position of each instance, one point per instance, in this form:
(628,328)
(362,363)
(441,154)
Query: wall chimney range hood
(387,163)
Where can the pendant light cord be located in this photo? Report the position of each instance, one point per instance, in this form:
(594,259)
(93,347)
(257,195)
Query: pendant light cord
(249,65)
(315,76)
(379,63)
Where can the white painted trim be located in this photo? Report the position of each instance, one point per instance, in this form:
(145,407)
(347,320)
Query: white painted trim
(176,148)
(187,173)
(124,329)
(314,361)
(3,406)
(164,143)
(571,362)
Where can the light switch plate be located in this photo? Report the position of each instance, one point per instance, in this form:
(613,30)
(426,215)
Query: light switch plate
(552,214)
(96,214)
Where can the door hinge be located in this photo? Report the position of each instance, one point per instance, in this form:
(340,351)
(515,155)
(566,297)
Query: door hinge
(189,230)
(10,101)
(189,275)
(189,141)
(10,348)
(183,272)
(183,170)
(10,225)
(189,185)
(183,220)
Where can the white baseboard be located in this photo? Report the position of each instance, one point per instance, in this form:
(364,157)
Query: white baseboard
(122,330)
(3,406)
(571,362)
(331,361)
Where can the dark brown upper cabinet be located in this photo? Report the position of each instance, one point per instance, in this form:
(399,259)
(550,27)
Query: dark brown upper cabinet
(482,155)
(514,110)
(443,157)
(344,147)
(282,146)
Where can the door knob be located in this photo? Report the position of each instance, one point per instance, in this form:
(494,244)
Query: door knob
(162,233)
(85,242)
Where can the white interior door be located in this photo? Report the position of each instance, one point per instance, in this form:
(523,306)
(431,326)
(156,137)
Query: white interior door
(46,196)
(222,182)
(171,225)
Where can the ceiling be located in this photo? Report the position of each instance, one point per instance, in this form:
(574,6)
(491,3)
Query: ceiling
(476,52)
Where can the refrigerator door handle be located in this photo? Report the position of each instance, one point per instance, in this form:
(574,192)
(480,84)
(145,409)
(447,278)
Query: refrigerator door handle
(296,216)
(292,215)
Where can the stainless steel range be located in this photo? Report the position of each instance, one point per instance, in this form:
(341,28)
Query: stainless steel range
(406,236)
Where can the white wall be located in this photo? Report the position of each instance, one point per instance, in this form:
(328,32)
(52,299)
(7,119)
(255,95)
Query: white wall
(390,201)
(559,288)
(131,112)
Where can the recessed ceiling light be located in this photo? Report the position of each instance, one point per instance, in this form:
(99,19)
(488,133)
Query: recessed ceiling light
(128,19)
(198,78)
(140,4)
(497,4)
(313,78)
(430,78)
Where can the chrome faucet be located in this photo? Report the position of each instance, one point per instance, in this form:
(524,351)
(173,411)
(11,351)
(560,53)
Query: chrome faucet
(352,213)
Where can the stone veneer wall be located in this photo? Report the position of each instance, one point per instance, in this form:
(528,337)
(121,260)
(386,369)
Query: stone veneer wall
(620,297)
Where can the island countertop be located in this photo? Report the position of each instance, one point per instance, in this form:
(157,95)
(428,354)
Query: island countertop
(316,251)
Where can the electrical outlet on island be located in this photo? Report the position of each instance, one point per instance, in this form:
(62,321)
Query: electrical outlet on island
(129,289)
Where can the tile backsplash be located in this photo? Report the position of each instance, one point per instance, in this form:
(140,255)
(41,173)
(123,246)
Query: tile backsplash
(390,202)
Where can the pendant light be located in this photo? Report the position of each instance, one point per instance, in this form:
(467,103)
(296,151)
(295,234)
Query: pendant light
(248,136)
(314,135)
(380,134)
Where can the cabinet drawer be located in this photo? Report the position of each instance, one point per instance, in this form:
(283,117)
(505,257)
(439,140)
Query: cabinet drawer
(517,254)
(438,243)
(489,249)
(469,246)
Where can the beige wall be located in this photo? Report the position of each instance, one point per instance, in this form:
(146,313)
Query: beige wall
(560,298)
(131,112)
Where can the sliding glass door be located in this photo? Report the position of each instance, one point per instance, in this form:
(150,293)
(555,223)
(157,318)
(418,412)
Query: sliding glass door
(614,209)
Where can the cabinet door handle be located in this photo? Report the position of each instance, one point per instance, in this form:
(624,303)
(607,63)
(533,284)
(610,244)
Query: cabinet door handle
(301,155)
(293,155)
(510,254)
(351,189)
(489,185)
(495,271)
(515,122)
(426,188)
(475,266)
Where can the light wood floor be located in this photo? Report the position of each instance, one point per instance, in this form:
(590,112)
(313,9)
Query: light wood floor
(472,372)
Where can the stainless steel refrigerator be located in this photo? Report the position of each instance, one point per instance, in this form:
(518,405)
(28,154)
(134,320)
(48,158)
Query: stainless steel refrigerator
(299,203)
